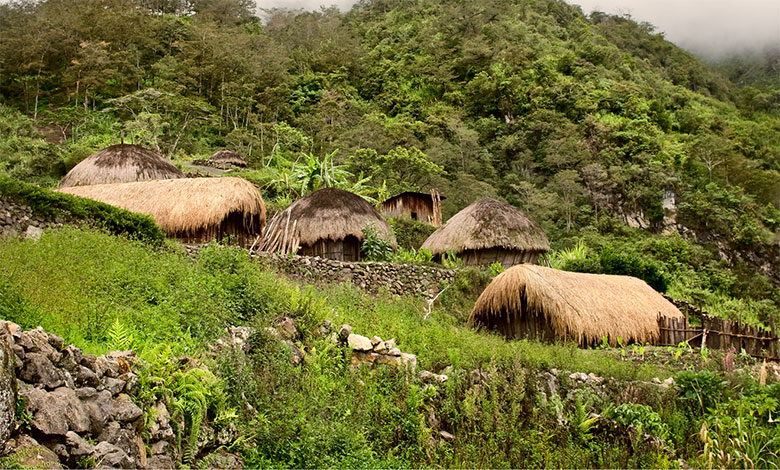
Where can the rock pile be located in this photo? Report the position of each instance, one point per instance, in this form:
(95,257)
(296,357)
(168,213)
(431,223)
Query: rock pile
(18,220)
(375,351)
(78,408)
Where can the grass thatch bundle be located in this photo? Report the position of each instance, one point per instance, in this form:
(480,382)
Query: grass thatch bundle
(228,158)
(488,224)
(191,209)
(120,164)
(528,301)
(327,214)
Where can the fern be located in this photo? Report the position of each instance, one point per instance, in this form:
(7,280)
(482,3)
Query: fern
(119,337)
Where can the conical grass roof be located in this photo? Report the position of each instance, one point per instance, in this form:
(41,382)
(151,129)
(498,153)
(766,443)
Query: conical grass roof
(488,224)
(326,214)
(120,164)
(578,306)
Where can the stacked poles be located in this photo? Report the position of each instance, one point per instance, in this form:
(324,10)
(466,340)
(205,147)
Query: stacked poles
(285,241)
(436,198)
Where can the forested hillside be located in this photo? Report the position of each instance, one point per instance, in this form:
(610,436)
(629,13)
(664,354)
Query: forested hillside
(587,123)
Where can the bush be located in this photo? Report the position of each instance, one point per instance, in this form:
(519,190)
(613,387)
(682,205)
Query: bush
(699,391)
(629,264)
(410,233)
(50,204)
(375,248)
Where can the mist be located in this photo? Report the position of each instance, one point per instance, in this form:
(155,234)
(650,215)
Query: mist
(710,28)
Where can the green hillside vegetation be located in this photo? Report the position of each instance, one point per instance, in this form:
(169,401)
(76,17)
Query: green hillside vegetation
(580,121)
(589,124)
(113,293)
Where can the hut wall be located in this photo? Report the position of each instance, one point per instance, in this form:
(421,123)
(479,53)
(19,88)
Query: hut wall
(411,206)
(516,325)
(347,249)
(234,228)
(506,257)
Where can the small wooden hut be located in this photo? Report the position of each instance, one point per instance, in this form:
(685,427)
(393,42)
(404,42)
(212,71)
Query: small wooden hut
(193,210)
(423,207)
(327,223)
(227,158)
(120,164)
(490,231)
(536,302)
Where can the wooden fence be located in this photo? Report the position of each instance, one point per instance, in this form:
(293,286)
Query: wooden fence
(717,333)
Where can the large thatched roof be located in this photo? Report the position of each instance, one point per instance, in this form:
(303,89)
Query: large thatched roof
(488,224)
(326,214)
(228,157)
(120,164)
(182,206)
(583,307)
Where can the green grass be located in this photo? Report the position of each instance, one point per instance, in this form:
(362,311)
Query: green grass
(103,292)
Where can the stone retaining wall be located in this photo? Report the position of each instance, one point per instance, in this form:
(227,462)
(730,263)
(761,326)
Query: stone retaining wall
(19,220)
(397,279)
(78,407)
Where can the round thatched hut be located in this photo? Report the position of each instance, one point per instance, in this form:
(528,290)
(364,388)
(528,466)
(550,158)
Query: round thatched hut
(227,158)
(328,223)
(193,210)
(528,301)
(120,164)
(490,231)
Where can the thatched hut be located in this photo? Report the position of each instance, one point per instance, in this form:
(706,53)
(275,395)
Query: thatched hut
(528,301)
(227,158)
(422,207)
(328,223)
(193,210)
(120,164)
(490,231)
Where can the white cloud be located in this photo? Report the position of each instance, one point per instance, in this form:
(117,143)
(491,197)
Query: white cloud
(704,26)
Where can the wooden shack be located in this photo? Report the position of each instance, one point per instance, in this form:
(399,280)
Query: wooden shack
(422,207)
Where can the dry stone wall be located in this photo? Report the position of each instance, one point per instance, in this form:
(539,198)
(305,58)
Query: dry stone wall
(19,220)
(398,279)
(77,407)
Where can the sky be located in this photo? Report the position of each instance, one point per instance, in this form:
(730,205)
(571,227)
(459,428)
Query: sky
(707,27)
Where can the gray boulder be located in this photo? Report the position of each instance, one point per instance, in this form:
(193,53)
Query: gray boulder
(7,385)
(38,369)
(56,412)
(108,455)
(125,410)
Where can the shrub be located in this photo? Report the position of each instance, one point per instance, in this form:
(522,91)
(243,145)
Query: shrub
(374,247)
(410,233)
(644,418)
(629,264)
(699,391)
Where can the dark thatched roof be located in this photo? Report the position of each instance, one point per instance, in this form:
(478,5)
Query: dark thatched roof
(326,214)
(228,157)
(583,307)
(120,164)
(185,205)
(488,224)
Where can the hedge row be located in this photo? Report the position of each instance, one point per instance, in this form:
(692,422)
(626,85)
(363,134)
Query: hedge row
(50,204)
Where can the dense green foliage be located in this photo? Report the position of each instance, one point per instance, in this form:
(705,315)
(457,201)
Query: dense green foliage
(325,414)
(585,122)
(50,205)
